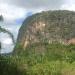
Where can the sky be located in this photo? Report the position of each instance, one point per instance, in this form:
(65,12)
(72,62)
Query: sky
(15,11)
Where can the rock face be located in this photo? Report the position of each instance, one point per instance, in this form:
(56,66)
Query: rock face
(49,26)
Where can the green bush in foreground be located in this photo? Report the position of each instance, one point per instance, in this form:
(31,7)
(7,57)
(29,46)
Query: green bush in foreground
(54,59)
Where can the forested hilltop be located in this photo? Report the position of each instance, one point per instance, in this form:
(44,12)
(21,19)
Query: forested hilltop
(48,27)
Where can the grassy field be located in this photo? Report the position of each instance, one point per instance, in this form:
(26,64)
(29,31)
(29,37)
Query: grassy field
(54,59)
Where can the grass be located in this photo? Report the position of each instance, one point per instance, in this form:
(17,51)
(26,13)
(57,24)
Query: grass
(53,59)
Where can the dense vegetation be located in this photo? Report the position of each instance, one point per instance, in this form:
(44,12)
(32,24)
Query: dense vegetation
(55,59)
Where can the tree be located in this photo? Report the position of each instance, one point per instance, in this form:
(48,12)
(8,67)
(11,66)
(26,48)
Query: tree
(1,18)
(0,47)
(8,32)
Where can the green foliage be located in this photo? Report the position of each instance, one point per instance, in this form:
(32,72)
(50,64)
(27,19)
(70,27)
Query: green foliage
(52,59)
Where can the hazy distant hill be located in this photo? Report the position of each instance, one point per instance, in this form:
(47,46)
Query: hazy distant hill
(47,27)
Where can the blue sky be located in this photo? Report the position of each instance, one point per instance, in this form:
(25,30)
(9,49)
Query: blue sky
(15,11)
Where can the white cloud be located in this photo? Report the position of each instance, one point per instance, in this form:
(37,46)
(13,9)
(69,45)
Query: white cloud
(36,4)
(5,39)
(15,9)
(7,44)
(69,5)
(11,12)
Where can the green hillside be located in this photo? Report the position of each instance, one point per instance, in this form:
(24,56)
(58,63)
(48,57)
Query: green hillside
(56,59)
(41,46)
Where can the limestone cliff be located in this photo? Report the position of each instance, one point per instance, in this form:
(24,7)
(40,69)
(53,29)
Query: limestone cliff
(47,26)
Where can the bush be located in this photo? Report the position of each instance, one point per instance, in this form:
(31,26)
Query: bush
(55,59)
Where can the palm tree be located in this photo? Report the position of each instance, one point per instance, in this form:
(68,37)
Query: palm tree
(0,45)
(8,32)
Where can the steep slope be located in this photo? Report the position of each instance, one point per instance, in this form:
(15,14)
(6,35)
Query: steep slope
(48,27)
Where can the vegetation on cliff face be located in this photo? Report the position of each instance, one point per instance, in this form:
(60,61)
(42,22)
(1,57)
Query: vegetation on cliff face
(49,26)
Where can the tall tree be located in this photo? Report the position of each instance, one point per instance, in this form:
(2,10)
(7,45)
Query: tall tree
(6,31)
